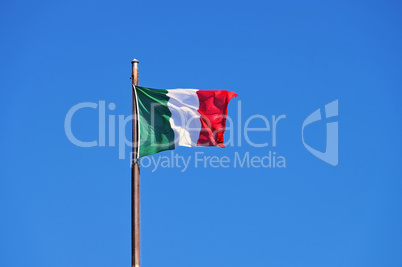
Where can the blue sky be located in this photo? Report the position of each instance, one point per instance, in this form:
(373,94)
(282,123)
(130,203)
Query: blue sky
(63,205)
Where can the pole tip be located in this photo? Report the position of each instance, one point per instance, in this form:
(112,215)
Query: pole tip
(134,61)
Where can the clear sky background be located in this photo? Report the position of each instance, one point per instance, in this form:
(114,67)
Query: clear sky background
(63,205)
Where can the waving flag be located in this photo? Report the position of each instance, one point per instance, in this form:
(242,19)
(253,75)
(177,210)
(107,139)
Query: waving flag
(180,117)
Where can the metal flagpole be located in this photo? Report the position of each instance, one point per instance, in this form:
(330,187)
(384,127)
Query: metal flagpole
(135,174)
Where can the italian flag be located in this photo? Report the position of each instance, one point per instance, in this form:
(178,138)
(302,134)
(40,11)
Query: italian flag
(180,117)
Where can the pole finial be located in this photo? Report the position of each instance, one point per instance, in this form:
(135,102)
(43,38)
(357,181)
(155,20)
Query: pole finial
(134,61)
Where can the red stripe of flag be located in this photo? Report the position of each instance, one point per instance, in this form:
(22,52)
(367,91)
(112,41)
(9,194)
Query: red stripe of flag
(213,109)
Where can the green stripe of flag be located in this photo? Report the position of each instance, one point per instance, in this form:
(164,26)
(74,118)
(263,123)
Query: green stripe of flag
(156,134)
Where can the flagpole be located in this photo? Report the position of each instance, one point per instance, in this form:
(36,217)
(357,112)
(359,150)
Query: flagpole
(135,175)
